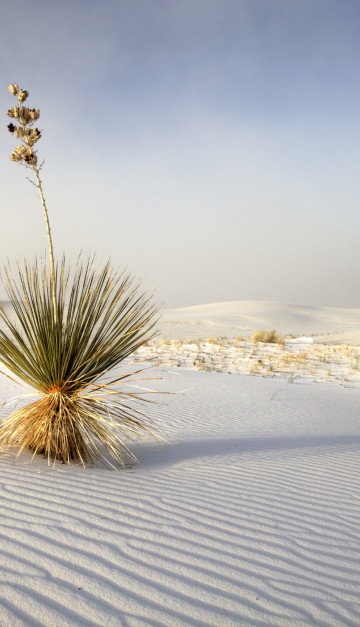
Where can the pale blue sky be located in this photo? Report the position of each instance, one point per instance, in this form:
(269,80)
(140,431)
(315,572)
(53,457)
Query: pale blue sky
(211,146)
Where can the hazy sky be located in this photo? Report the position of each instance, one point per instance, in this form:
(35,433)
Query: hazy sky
(211,146)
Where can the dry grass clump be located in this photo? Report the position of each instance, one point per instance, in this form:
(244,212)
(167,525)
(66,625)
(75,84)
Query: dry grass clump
(294,358)
(267,337)
(212,340)
(70,328)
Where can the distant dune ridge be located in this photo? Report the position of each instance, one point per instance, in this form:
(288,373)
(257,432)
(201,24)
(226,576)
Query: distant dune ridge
(242,318)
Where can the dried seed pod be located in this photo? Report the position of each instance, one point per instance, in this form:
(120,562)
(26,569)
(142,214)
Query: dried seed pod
(22,95)
(34,134)
(34,114)
(20,150)
(20,132)
(13,89)
(12,128)
(15,157)
(31,136)
(25,115)
(30,158)
(12,112)
(18,153)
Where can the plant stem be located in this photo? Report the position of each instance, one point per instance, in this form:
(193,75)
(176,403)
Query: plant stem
(50,244)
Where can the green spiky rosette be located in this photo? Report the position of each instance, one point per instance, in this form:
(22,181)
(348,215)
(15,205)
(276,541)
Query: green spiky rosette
(101,317)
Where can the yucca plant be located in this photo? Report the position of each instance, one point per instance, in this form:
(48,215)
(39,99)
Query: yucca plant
(69,329)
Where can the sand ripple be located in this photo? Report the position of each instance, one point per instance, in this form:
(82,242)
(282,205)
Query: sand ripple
(250,516)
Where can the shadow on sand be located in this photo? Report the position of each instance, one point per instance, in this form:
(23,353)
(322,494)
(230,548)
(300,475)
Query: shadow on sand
(155,455)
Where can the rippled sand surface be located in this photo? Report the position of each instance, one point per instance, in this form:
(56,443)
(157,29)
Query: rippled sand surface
(249,515)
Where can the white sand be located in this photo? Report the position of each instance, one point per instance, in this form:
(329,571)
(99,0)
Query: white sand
(242,318)
(250,516)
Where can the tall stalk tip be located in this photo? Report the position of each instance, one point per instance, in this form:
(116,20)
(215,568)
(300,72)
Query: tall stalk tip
(24,153)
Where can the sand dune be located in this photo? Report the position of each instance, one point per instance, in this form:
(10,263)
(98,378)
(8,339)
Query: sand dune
(248,515)
(242,318)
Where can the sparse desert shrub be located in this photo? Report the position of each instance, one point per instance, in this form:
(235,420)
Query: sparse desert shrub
(267,337)
(71,328)
(294,358)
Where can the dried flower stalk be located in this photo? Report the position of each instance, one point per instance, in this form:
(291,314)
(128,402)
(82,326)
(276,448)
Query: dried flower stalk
(24,153)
